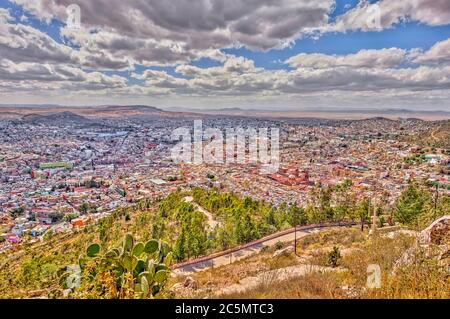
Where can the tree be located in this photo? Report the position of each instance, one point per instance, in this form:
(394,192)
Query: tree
(84,208)
(344,200)
(224,236)
(68,218)
(196,236)
(363,212)
(325,210)
(410,204)
(244,230)
(17,212)
(297,216)
(56,217)
(180,247)
(270,217)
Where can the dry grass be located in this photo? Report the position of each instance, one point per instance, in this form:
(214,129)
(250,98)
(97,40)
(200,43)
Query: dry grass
(423,278)
(332,237)
(311,286)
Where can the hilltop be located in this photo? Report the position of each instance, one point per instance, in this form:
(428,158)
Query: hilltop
(438,137)
(55,119)
(84,114)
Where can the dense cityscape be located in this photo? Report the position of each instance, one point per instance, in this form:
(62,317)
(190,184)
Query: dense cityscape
(56,177)
(212,152)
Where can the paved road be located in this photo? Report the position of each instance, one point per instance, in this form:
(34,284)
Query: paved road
(233,255)
(238,255)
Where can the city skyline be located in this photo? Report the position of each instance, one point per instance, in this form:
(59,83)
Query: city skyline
(288,55)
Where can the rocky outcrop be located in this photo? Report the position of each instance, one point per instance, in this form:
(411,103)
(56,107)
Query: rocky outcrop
(438,233)
(432,243)
(284,252)
(190,283)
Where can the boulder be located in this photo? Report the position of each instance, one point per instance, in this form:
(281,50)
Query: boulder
(284,252)
(444,256)
(432,243)
(190,283)
(438,233)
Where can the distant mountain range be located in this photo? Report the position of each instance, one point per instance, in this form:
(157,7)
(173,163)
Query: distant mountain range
(56,118)
(30,113)
(82,115)
(331,113)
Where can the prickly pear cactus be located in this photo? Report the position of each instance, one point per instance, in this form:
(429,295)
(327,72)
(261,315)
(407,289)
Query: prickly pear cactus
(142,267)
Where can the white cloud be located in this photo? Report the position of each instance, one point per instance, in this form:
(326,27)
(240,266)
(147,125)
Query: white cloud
(437,54)
(383,58)
(365,71)
(196,25)
(118,35)
(366,15)
(5,16)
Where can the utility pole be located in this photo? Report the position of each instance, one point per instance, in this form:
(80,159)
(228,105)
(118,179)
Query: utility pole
(295,241)
(436,198)
(297,221)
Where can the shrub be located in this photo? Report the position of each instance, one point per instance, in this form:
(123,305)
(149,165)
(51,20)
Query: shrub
(279,245)
(334,257)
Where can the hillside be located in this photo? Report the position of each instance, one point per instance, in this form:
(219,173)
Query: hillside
(61,118)
(84,114)
(33,270)
(438,137)
(277,273)
(202,222)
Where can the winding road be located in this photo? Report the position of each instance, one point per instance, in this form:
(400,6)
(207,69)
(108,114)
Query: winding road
(232,255)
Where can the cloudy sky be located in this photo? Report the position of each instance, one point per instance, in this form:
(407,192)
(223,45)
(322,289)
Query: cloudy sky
(266,54)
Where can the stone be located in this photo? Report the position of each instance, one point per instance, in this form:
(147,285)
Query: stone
(438,233)
(444,256)
(190,283)
(284,252)
(432,243)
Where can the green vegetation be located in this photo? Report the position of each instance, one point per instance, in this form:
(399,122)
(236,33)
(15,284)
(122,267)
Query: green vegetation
(416,159)
(85,208)
(188,233)
(135,270)
(54,165)
(32,271)
(438,136)
(421,278)
(334,257)
(418,206)
(17,212)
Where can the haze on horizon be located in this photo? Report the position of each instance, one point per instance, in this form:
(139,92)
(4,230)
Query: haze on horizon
(288,55)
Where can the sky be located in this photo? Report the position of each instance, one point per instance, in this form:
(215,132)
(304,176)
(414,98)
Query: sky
(256,54)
